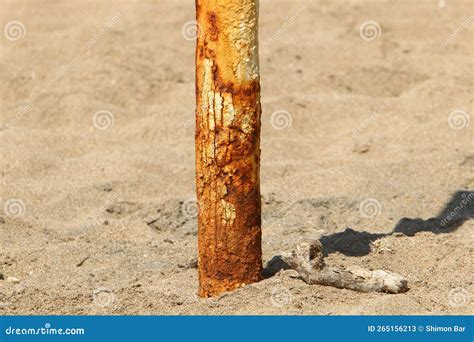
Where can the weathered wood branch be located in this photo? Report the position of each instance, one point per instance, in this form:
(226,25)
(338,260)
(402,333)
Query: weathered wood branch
(308,260)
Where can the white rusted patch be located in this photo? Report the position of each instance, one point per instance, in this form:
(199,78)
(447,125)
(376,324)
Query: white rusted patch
(218,108)
(229,111)
(242,33)
(223,190)
(246,125)
(211,150)
(229,211)
(208,113)
(207,84)
(212,114)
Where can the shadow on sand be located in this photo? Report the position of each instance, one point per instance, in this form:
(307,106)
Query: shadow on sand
(459,209)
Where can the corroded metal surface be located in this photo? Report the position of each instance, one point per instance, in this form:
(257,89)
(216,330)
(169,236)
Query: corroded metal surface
(228,145)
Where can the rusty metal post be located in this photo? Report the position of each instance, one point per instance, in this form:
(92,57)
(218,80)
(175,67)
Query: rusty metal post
(228,145)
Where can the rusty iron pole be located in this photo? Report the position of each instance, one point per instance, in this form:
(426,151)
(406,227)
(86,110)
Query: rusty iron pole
(228,145)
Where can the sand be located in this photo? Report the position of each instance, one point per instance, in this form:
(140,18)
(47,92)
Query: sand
(367,144)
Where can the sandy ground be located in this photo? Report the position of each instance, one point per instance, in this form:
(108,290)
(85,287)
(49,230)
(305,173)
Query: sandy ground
(366,144)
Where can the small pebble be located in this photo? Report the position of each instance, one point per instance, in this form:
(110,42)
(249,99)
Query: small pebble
(193,263)
(364,148)
(2,220)
(13,280)
(107,187)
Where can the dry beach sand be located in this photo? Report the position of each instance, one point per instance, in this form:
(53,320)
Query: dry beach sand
(367,143)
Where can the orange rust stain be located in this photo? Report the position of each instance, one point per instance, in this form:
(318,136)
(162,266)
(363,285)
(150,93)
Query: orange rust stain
(213,26)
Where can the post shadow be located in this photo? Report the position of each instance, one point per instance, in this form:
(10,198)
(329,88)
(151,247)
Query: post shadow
(457,210)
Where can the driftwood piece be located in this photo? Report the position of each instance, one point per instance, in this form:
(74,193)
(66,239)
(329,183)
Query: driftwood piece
(308,260)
